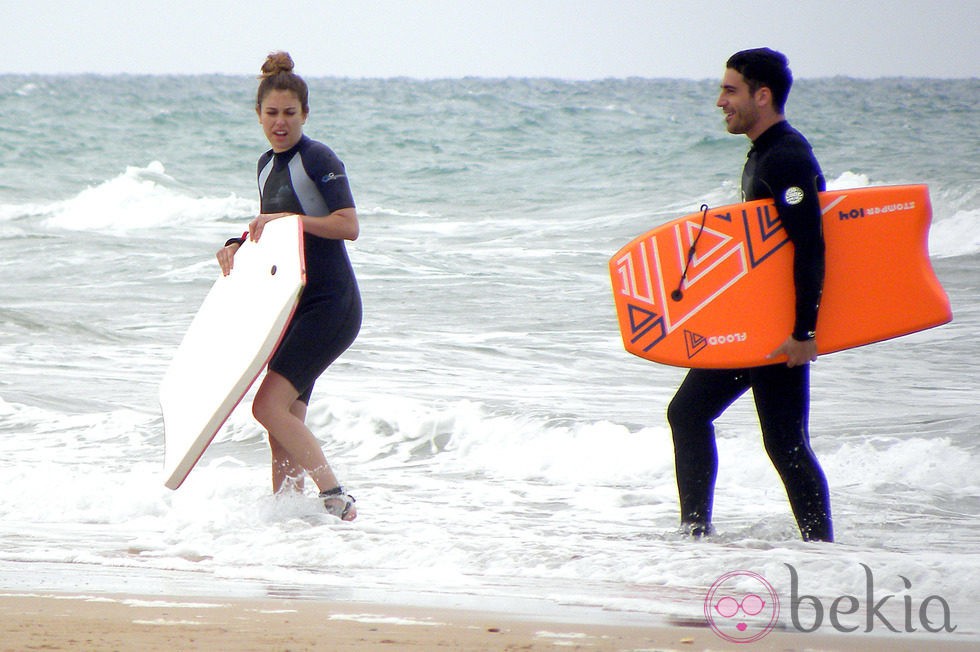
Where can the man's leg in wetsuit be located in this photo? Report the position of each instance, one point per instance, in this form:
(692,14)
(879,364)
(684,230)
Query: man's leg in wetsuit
(782,399)
(701,398)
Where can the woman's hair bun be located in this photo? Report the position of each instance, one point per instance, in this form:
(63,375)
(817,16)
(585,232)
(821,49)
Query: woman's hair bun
(277,75)
(276,63)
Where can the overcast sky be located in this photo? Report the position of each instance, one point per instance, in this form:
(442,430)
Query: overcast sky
(571,39)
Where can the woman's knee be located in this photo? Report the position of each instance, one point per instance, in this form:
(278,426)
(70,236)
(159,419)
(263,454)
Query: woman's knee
(267,409)
(261,410)
(273,400)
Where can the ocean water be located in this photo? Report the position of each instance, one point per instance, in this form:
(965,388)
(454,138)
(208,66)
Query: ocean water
(505,451)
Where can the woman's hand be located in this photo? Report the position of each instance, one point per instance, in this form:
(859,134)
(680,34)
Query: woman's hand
(226,258)
(256,226)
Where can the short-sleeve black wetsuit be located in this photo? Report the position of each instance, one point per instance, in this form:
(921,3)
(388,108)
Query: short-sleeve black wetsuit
(781,166)
(309,179)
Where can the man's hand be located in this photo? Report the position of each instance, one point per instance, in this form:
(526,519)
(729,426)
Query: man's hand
(797,352)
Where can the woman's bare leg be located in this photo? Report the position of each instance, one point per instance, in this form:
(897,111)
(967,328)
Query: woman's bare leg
(274,408)
(287,475)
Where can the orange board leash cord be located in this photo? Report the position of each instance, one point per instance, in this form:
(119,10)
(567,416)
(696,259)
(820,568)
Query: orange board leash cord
(714,289)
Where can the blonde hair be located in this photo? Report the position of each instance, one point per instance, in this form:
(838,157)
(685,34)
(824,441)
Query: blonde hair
(277,75)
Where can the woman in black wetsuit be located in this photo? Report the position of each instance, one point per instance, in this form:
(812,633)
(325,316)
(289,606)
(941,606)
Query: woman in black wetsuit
(300,176)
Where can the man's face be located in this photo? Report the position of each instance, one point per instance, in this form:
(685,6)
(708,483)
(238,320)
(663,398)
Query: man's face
(738,103)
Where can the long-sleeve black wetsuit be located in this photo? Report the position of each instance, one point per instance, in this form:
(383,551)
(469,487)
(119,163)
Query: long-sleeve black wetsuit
(781,166)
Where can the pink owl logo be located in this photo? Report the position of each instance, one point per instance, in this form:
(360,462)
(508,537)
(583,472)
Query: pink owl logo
(741,607)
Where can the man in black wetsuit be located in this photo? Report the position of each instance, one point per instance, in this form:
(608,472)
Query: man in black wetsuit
(780,166)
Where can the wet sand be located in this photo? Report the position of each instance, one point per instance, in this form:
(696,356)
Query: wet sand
(134,623)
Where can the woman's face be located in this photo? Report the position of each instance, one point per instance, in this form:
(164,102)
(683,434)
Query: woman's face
(282,118)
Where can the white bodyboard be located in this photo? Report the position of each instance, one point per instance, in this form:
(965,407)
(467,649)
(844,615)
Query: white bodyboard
(229,343)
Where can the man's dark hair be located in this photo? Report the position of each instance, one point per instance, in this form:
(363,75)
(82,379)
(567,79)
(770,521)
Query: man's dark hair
(764,67)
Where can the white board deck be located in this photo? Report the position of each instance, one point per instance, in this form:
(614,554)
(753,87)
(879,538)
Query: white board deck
(229,343)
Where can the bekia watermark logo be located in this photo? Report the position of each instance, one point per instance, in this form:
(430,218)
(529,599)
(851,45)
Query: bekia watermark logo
(743,607)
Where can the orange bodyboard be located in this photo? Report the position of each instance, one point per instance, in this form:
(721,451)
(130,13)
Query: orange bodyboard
(737,303)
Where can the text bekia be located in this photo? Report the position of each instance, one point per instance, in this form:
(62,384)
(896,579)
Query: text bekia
(847,605)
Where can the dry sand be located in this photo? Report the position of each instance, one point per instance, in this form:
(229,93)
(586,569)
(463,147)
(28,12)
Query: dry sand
(76,622)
